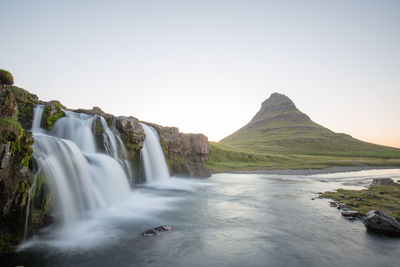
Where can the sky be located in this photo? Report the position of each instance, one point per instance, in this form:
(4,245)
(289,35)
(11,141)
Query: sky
(206,66)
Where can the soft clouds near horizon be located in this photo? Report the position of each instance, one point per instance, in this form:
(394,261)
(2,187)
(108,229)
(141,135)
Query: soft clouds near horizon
(206,66)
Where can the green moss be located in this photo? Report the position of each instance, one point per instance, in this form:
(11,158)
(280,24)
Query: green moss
(48,118)
(22,192)
(378,197)
(8,242)
(22,96)
(109,121)
(10,129)
(6,77)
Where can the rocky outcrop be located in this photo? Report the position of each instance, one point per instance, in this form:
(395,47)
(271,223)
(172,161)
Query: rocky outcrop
(53,110)
(132,134)
(15,152)
(383,181)
(186,154)
(95,111)
(378,222)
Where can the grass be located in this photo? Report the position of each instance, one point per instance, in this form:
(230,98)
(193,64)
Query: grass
(282,137)
(385,198)
(227,158)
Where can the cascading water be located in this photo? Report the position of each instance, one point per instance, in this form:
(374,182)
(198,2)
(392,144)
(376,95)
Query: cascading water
(82,179)
(155,166)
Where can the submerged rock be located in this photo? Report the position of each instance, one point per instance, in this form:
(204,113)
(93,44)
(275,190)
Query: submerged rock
(157,230)
(378,222)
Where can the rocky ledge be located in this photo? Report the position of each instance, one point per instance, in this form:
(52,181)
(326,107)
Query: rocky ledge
(186,153)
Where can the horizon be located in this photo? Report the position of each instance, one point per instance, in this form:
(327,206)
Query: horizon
(206,68)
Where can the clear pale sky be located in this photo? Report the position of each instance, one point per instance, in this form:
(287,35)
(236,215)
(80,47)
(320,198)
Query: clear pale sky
(206,66)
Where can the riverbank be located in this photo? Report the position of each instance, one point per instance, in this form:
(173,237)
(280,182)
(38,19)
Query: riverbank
(313,171)
(385,198)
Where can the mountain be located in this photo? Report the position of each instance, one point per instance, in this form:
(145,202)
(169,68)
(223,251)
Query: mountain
(282,137)
(279,127)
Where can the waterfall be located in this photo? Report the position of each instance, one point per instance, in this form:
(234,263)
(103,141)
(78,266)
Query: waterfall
(37,118)
(82,179)
(155,166)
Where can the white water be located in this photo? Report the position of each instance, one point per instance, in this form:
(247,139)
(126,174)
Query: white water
(90,183)
(155,166)
(82,179)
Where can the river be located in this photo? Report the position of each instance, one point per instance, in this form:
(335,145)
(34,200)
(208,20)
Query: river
(226,220)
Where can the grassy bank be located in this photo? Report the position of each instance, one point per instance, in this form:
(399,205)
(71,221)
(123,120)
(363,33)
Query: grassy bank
(385,198)
(227,158)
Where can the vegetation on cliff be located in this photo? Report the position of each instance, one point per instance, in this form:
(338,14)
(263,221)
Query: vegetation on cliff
(6,77)
(52,112)
(15,180)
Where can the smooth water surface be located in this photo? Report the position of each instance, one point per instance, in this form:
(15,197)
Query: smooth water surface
(226,220)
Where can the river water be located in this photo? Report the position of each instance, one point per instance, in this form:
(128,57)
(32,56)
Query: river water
(226,220)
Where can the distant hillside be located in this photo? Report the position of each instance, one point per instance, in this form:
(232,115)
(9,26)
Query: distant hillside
(280,127)
(281,136)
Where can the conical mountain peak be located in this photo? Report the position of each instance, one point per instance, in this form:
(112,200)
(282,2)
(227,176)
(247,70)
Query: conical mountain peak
(276,102)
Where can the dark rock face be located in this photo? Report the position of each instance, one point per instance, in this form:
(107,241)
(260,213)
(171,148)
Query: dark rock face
(15,152)
(383,181)
(132,134)
(186,154)
(157,230)
(378,222)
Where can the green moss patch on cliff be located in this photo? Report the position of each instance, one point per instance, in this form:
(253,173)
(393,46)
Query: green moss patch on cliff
(51,114)
(25,102)
(385,198)
(11,131)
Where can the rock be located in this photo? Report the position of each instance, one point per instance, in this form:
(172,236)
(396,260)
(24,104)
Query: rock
(312,198)
(341,206)
(376,197)
(349,213)
(157,230)
(8,106)
(53,110)
(94,111)
(186,153)
(383,181)
(332,203)
(378,222)
(366,194)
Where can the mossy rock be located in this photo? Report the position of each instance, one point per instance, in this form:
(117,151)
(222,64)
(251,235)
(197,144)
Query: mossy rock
(6,77)
(52,112)
(8,105)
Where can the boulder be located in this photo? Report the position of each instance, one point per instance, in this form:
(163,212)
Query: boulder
(378,222)
(157,230)
(383,181)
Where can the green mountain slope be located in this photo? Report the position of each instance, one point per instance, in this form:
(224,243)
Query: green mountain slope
(279,127)
(282,137)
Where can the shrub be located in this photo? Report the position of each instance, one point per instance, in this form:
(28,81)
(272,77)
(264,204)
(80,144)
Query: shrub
(6,77)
